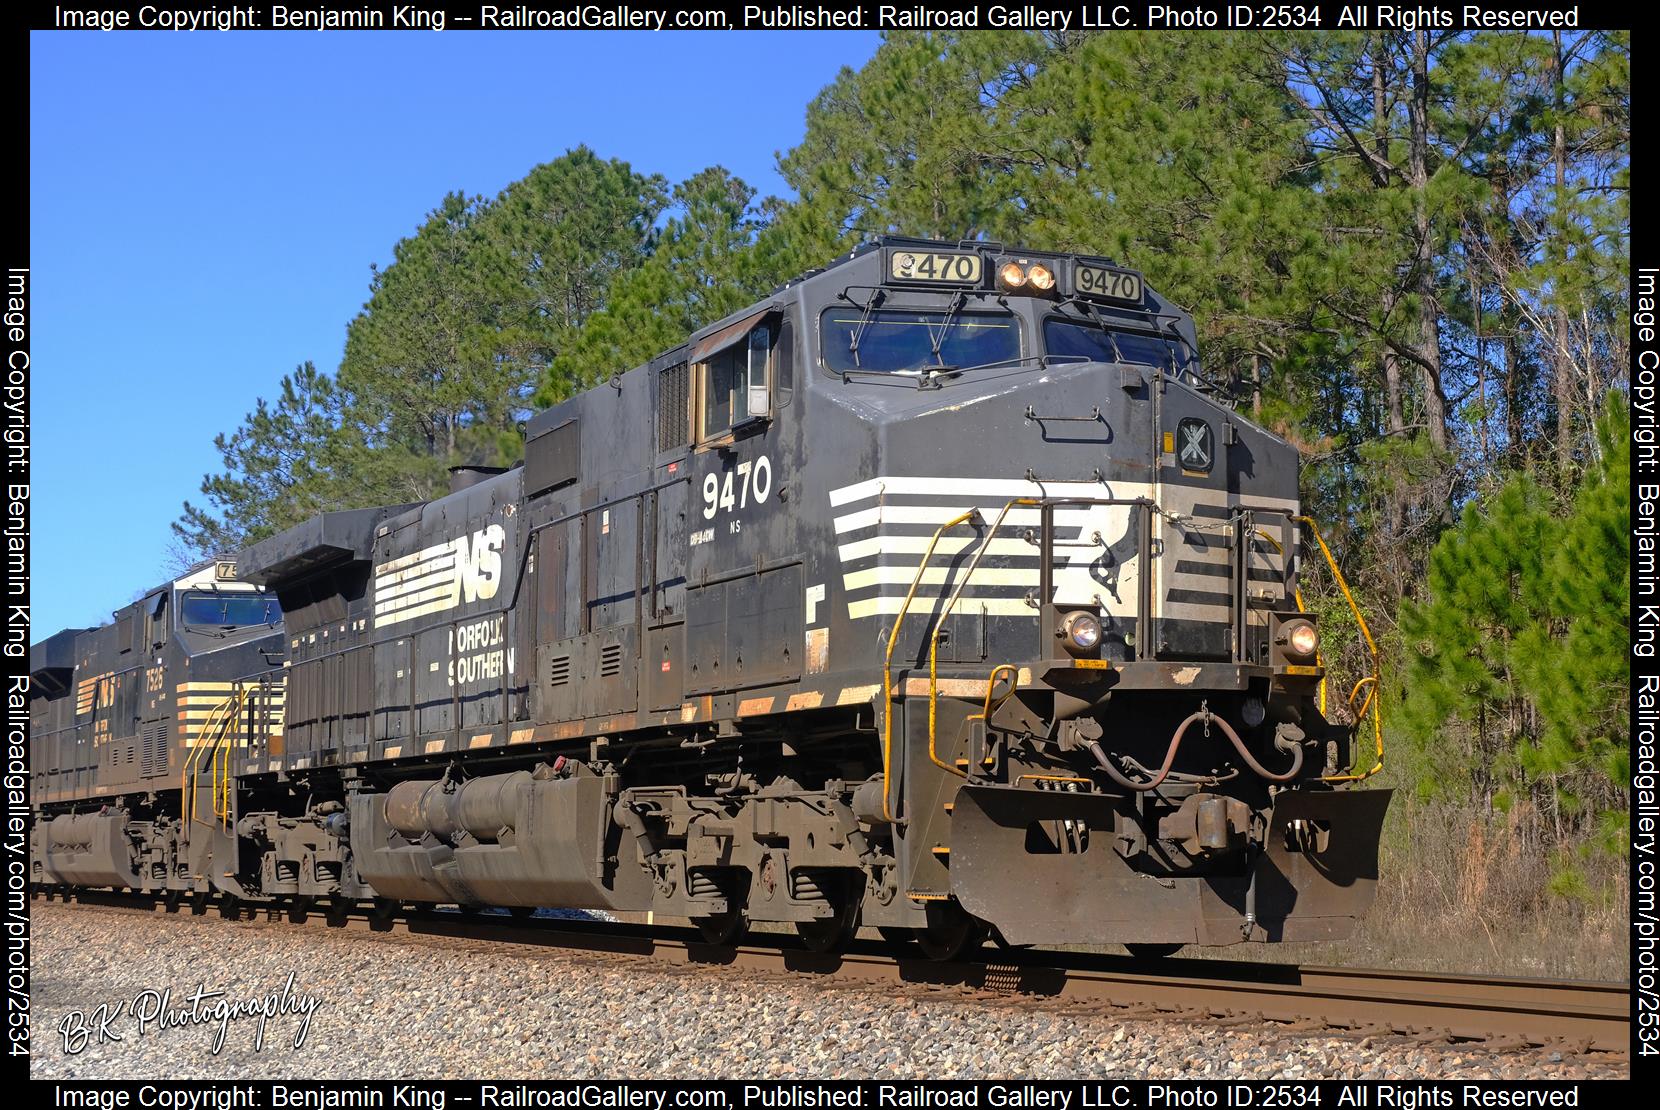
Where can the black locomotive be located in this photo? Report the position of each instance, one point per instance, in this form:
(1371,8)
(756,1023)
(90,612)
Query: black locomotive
(137,729)
(937,592)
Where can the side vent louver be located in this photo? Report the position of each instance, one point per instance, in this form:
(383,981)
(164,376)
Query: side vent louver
(559,670)
(610,660)
(153,758)
(553,458)
(673,394)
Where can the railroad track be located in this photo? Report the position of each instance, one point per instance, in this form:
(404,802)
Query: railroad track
(1504,1011)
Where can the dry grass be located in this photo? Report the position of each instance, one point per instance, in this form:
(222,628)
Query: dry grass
(1463,893)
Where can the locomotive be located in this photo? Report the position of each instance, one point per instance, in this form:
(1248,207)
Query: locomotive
(131,727)
(939,592)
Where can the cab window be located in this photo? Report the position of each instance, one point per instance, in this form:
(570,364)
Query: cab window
(1076,339)
(897,341)
(736,384)
(228,610)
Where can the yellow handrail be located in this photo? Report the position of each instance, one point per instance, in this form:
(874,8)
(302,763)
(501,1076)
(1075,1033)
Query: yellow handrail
(221,767)
(887,665)
(939,625)
(991,684)
(212,738)
(187,776)
(1372,682)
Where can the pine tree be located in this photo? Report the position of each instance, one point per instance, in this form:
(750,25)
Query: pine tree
(700,269)
(287,461)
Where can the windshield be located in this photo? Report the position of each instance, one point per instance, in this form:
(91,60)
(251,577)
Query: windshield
(228,610)
(897,340)
(1075,339)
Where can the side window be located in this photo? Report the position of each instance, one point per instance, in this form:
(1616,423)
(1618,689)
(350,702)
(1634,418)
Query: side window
(720,375)
(784,366)
(156,606)
(760,390)
(124,630)
(735,384)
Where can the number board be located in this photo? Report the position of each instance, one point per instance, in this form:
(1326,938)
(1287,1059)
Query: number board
(946,267)
(1107,284)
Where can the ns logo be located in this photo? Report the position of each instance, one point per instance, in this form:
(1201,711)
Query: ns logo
(478,564)
(463,570)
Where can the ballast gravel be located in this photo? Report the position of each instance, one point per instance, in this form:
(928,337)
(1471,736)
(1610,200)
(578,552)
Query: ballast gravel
(395,1006)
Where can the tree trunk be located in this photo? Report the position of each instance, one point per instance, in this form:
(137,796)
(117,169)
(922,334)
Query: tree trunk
(1564,383)
(1428,347)
(1391,363)
(1380,142)
(1515,437)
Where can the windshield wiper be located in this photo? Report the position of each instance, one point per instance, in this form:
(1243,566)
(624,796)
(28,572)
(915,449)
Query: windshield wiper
(937,339)
(847,376)
(1168,330)
(865,316)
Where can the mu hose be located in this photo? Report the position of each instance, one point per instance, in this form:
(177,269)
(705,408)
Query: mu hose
(1128,783)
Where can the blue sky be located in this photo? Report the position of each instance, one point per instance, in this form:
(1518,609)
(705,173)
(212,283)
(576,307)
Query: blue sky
(204,209)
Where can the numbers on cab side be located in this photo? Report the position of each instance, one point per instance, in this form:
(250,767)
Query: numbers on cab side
(736,488)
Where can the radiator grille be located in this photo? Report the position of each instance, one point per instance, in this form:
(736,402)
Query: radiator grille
(673,390)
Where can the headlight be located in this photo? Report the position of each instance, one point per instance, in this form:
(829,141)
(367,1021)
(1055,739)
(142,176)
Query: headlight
(1300,639)
(1041,277)
(1011,276)
(1081,632)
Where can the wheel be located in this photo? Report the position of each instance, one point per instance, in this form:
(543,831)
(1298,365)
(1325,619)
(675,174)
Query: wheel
(383,912)
(1153,951)
(831,935)
(230,907)
(299,909)
(723,929)
(897,937)
(171,900)
(951,933)
(521,913)
(199,902)
(338,912)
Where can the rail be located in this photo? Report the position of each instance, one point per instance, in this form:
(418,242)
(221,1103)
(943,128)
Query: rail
(1507,1011)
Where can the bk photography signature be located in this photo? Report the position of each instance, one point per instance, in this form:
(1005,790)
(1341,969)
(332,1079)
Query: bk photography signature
(151,1011)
